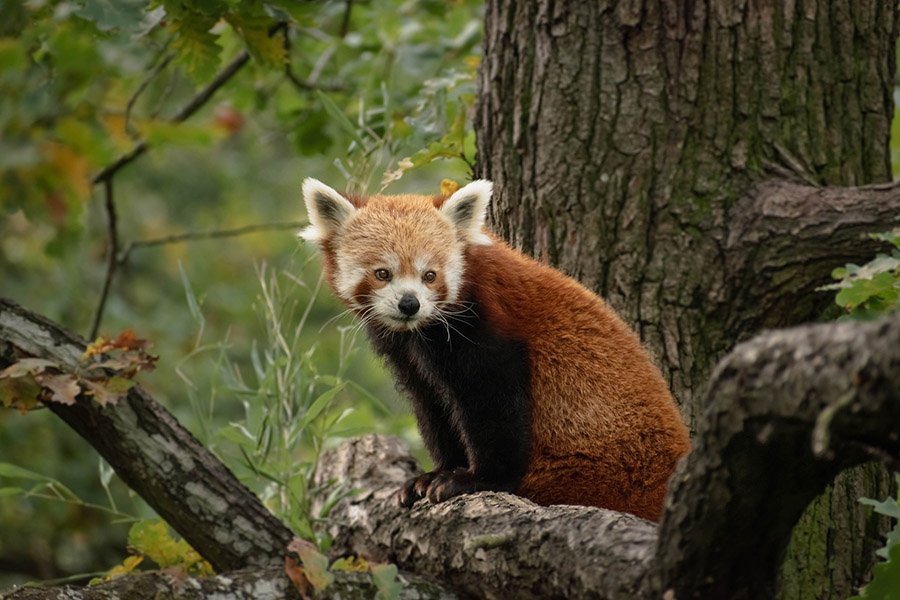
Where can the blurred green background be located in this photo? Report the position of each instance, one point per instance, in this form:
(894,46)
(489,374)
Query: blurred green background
(343,91)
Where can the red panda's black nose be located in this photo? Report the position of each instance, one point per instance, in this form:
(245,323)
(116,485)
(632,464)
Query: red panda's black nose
(408,305)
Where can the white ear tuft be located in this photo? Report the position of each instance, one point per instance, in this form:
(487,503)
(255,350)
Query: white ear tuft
(328,211)
(467,209)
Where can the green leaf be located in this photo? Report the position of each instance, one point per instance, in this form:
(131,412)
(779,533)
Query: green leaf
(11,491)
(20,392)
(888,507)
(198,48)
(266,50)
(107,15)
(885,584)
(338,115)
(319,405)
(177,134)
(16,472)
(385,579)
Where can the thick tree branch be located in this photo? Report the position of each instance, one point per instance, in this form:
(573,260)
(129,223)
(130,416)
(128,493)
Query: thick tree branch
(486,545)
(786,412)
(156,456)
(252,584)
(784,239)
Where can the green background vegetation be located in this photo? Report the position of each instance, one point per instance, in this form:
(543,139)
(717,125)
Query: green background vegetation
(344,98)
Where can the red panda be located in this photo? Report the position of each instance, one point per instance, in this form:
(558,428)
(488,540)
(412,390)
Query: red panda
(521,379)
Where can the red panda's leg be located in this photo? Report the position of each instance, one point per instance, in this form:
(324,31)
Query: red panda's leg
(441,439)
(491,396)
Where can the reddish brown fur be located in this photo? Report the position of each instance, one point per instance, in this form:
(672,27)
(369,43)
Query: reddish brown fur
(606,431)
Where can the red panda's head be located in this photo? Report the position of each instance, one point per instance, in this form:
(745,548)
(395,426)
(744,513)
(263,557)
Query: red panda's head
(398,261)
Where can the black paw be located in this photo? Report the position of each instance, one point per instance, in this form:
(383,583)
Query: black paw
(448,484)
(416,488)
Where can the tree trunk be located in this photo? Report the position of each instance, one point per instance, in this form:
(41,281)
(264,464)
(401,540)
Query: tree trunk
(634,145)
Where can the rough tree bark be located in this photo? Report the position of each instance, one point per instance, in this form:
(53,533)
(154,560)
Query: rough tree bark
(262,583)
(671,155)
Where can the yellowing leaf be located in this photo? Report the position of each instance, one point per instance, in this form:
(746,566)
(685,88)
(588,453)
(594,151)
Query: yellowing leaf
(351,564)
(21,393)
(197,48)
(128,565)
(74,169)
(115,128)
(265,49)
(98,346)
(153,540)
(448,187)
(315,564)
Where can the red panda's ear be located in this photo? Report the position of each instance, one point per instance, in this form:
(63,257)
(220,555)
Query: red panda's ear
(328,211)
(467,209)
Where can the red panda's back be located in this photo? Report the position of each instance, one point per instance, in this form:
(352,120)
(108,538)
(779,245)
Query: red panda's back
(605,428)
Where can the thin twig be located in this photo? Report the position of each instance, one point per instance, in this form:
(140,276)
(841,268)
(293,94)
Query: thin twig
(206,235)
(345,23)
(186,111)
(162,64)
(305,85)
(112,251)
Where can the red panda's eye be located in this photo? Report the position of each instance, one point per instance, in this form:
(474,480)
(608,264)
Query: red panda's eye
(382,275)
(429,276)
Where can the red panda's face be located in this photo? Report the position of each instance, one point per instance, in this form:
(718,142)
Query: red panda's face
(396,260)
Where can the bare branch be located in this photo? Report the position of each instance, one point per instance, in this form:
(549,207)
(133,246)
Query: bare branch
(162,64)
(112,253)
(345,22)
(304,85)
(207,235)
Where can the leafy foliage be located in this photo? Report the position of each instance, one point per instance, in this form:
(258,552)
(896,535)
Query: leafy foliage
(152,539)
(313,572)
(885,584)
(873,289)
(100,375)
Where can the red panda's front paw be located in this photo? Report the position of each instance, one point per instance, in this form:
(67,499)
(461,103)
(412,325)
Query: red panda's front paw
(415,488)
(448,484)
